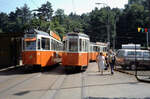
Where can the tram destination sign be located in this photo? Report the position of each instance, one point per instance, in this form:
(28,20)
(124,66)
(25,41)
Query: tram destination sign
(29,35)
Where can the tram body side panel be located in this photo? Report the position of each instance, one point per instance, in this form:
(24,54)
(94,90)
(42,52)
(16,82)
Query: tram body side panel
(30,58)
(96,55)
(93,56)
(47,58)
(75,59)
(90,56)
(83,59)
(43,58)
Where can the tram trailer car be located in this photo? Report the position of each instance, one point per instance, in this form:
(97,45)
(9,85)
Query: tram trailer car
(39,48)
(76,51)
(95,48)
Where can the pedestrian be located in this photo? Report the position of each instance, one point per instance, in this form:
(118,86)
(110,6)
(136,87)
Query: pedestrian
(106,62)
(101,62)
(112,60)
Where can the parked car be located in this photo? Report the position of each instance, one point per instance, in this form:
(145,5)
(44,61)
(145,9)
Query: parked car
(127,58)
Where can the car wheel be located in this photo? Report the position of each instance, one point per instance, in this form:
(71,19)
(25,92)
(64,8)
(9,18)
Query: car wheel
(133,67)
(123,67)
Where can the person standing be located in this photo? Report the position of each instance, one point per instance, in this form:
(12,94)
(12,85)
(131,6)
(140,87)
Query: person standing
(111,61)
(106,60)
(101,62)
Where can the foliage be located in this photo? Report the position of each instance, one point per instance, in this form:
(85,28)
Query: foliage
(45,12)
(122,23)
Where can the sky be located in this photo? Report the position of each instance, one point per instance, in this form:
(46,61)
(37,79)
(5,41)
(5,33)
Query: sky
(76,6)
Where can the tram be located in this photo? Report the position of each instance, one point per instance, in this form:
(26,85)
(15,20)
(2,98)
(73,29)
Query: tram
(40,48)
(76,51)
(95,48)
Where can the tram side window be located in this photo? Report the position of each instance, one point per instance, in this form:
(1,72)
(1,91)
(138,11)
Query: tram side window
(65,45)
(98,49)
(91,48)
(86,45)
(80,44)
(45,44)
(39,44)
(52,44)
(57,46)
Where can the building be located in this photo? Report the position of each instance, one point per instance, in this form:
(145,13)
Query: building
(10,50)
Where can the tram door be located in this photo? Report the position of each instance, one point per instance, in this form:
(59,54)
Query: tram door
(45,51)
(84,50)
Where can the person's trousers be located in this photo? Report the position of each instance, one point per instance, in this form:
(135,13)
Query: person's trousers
(112,67)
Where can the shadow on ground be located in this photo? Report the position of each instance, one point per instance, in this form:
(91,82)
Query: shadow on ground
(52,70)
(23,70)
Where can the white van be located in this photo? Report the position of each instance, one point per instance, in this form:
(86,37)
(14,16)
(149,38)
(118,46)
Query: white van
(127,58)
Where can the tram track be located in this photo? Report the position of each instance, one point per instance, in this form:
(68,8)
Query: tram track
(19,83)
(16,73)
(59,86)
(83,86)
(50,87)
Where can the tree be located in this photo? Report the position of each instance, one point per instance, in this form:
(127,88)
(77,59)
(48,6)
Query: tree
(45,12)
(60,15)
(133,16)
(3,21)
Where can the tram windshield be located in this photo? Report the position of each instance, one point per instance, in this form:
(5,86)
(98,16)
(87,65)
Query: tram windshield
(30,45)
(73,44)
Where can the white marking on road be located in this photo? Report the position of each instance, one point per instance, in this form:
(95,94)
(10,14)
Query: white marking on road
(38,76)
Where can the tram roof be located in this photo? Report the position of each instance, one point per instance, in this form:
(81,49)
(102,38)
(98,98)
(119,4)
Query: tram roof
(41,32)
(32,31)
(78,34)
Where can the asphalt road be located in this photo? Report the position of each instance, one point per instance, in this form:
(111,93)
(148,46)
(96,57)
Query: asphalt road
(54,83)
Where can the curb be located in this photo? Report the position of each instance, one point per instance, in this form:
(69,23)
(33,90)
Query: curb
(11,67)
(124,72)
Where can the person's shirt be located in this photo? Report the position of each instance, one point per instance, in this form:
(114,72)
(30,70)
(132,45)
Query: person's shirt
(101,58)
(111,58)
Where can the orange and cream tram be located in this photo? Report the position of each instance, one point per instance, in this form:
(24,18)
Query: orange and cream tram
(76,51)
(95,48)
(40,48)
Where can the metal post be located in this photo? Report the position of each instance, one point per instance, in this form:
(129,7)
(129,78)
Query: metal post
(108,34)
(114,35)
(147,39)
(135,63)
(107,26)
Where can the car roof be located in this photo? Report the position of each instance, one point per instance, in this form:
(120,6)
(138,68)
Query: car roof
(133,50)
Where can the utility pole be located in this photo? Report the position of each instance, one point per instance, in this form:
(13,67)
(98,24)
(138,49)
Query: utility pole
(114,38)
(107,25)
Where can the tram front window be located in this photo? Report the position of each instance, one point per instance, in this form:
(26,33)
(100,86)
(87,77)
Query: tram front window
(73,45)
(30,45)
